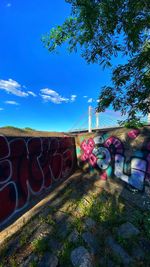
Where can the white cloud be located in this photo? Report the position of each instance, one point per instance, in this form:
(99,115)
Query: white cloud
(97,100)
(12,87)
(50,92)
(31,93)
(73,98)
(85,96)
(1,109)
(90,100)
(52,96)
(9,5)
(10,102)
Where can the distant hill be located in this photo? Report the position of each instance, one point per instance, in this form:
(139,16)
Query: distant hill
(14,131)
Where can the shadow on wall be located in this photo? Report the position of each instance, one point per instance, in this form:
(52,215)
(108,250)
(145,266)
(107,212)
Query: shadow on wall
(30,166)
(122,154)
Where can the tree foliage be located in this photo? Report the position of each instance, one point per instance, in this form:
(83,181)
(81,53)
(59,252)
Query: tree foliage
(103,30)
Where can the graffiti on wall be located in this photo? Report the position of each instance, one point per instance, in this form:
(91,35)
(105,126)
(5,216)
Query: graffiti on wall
(28,166)
(107,155)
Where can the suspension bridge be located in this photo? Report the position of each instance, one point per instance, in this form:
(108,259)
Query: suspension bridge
(91,121)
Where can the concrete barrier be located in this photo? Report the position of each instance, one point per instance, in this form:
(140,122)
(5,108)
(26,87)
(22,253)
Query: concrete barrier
(122,154)
(29,166)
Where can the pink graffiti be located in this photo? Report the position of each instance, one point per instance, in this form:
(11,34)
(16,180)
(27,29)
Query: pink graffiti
(87,147)
(133,134)
(115,142)
(103,176)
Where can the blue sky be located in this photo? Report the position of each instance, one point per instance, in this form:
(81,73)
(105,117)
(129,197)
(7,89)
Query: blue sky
(37,89)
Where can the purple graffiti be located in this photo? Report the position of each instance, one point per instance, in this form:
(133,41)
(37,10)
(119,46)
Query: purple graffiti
(110,160)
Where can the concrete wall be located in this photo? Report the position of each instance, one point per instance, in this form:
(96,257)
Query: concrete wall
(121,154)
(29,166)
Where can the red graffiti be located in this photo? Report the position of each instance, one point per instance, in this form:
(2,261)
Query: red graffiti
(28,166)
(133,133)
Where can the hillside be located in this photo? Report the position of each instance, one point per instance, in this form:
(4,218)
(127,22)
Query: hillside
(13,131)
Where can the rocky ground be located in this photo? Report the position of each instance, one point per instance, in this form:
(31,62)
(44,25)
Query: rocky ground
(84,226)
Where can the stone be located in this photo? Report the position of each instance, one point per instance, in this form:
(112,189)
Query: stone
(63,230)
(54,245)
(137,253)
(91,241)
(145,244)
(74,236)
(48,260)
(32,258)
(90,223)
(106,262)
(127,230)
(118,251)
(110,263)
(103,198)
(43,231)
(60,216)
(80,257)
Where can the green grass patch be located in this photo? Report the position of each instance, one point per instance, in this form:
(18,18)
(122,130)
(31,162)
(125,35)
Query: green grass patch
(65,253)
(40,246)
(13,262)
(47,219)
(29,129)
(33,264)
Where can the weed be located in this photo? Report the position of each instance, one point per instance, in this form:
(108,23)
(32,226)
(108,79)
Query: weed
(3,252)
(77,224)
(122,241)
(146,224)
(33,264)
(40,245)
(137,218)
(47,219)
(67,193)
(13,262)
(117,260)
(23,239)
(64,254)
(25,235)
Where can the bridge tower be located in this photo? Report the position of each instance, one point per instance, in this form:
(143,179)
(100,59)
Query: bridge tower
(90,119)
(148,118)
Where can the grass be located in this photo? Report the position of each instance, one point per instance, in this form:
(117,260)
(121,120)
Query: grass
(40,246)
(48,219)
(64,254)
(33,264)
(78,224)
(13,262)
(29,129)
(106,210)
(68,247)
(13,128)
